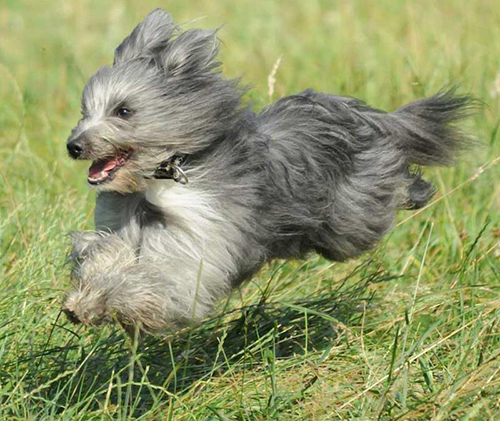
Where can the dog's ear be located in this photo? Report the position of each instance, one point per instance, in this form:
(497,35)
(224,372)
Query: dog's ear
(148,38)
(192,51)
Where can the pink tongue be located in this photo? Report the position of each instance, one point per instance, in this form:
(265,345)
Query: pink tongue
(100,169)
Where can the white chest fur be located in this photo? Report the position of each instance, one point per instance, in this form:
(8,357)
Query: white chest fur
(203,236)
(158,192)
(185,201)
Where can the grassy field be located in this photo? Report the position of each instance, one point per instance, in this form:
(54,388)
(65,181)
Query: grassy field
(408,332)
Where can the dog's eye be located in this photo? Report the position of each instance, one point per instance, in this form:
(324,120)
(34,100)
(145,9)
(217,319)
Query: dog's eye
(123,112)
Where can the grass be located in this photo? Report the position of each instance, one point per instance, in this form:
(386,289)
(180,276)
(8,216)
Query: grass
(408,332)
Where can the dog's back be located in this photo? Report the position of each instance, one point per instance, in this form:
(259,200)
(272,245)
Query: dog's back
(338,169)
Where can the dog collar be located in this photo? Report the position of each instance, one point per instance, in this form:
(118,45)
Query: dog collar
(171,170)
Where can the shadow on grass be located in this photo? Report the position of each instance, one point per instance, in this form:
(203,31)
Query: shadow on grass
(90,370)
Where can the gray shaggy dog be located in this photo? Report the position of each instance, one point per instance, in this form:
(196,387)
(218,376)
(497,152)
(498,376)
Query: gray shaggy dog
(196,192)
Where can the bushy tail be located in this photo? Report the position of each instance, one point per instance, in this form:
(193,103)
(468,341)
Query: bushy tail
(428,131)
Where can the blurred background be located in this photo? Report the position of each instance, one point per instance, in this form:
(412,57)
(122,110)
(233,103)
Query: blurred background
(444,262)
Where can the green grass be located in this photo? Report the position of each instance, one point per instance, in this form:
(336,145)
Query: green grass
(408,332)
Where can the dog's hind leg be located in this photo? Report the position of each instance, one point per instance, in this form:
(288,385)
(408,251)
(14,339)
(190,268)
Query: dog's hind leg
(420,192)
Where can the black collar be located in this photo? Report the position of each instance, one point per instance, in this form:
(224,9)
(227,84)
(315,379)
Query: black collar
(171,170)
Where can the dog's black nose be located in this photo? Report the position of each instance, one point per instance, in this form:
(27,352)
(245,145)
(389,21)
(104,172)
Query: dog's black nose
(75,147)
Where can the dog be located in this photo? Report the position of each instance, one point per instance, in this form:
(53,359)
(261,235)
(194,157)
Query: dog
(196,192)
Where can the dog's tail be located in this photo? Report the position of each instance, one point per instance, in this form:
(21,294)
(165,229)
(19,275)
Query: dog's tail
(427,129)
(427,133)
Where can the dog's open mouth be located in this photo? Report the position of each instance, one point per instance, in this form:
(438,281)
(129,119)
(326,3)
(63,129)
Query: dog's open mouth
(104,170)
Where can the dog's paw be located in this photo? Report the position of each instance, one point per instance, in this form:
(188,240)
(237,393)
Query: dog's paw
(89,309)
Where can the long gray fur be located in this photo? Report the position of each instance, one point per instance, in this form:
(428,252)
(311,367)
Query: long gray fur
(312,172)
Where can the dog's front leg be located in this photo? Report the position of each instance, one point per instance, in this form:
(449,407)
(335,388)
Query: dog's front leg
(94,257)
(152,278)
(140,295)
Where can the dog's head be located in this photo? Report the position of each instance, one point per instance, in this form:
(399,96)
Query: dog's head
(162,96)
